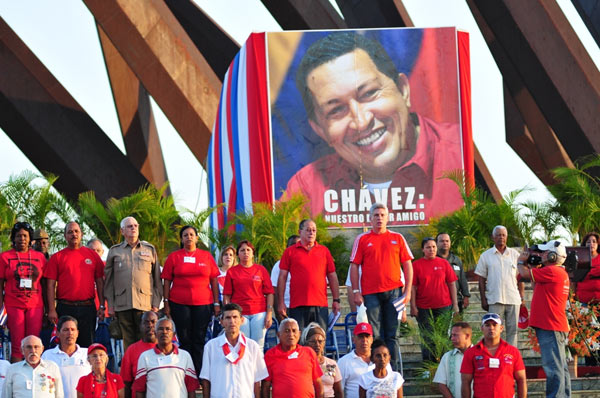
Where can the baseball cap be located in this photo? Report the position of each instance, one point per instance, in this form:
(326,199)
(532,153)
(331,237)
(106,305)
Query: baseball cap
(557,247)
(96,346)
(363,328)
(40,234)
(491,317)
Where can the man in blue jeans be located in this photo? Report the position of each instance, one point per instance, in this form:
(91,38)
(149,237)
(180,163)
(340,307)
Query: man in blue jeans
(380,253)
(548,316)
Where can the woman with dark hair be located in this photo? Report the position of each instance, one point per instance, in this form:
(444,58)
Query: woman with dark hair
(190,292)
(21,270)
(249,285)
(589,288)
(381,382)
(433,292)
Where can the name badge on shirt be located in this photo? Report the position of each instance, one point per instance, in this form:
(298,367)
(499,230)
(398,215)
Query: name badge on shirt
(494,363)
(456,268)
(166,360)
(189,259)
(294,355)
(25,283)
(232,356)
(29,384)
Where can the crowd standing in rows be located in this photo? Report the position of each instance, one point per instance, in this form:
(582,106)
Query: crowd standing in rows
(232,363)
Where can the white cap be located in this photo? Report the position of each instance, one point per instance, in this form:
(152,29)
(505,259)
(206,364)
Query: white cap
(557,247)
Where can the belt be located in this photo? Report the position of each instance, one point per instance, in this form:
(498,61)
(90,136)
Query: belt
(80,303)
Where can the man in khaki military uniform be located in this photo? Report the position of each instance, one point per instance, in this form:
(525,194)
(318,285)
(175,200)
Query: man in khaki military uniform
(133,283)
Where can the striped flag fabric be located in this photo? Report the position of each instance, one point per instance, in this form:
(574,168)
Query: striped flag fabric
(239,155)
(3,316)
(400,303)
(54,335)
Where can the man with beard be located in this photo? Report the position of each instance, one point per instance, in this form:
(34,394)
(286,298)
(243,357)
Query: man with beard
(69,356)
(132,355)
(71,274)
(33,377)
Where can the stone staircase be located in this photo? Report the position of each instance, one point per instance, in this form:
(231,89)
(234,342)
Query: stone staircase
(412,360)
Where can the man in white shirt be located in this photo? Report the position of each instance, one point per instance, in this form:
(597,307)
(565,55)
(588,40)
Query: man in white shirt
(233,365)
(275,276)
(497,272)
(358,361)
(33,377)
(448,372)
(165,370)
(70,358)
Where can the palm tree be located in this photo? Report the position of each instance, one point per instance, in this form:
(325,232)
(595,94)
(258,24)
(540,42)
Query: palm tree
(154,211)
(577,195)
(31,197)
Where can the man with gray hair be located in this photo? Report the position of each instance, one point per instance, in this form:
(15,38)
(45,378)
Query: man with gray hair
(497,273)
(33,377)
(379,254)
(292,366)
(133,283)
(165,370)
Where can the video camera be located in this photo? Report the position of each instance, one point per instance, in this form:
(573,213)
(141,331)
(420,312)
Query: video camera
(577,264)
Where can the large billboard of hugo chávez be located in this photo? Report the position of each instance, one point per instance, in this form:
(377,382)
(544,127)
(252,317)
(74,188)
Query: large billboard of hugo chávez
(365,116)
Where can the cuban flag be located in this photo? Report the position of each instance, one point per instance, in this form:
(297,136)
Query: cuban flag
(239,155)
(54,335)
(3,316)
(400,304)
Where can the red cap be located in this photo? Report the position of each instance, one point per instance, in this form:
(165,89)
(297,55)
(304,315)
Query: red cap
(363,328)
(96,346)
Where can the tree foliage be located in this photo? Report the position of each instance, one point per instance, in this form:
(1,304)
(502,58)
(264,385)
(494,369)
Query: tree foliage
(577,195)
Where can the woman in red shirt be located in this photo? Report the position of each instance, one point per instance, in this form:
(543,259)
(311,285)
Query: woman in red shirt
(589,288)
(100,383)
(249,285)
(433,293)
(21,270)
(191,293)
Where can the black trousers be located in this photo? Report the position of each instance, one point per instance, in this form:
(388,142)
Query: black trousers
(191,322)
(305,315)
(86,320)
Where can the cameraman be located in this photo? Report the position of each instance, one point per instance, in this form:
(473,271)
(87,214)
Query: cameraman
(548,316)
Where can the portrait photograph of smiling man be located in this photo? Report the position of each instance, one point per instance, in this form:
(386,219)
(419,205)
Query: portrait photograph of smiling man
(378,120)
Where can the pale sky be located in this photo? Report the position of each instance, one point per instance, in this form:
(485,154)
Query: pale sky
(55,30)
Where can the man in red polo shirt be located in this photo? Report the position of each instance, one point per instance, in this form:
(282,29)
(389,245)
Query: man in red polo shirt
(310,266)
(294,371)
(75,269)
(548,316)
(493,365)
(379,254)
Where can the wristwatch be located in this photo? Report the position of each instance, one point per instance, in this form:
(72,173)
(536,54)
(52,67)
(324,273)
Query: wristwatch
(337,300)
(356,291)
